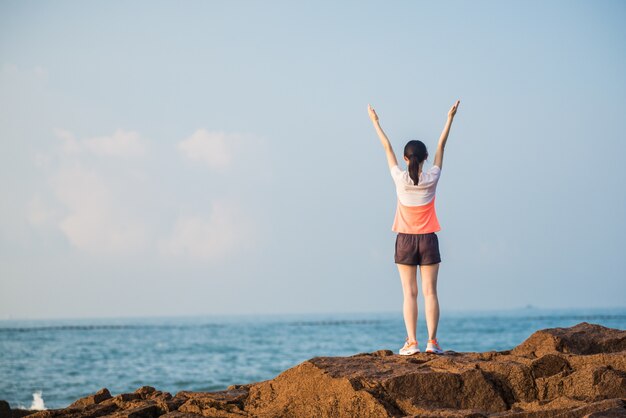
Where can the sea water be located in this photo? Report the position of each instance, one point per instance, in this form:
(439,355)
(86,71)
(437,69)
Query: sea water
(51,363)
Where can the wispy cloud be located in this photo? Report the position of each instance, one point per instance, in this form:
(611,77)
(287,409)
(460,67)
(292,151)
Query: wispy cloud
(37,212)
(36,72)
(225,231)
(120,144)
(105,205)
(215,149)
(96,221)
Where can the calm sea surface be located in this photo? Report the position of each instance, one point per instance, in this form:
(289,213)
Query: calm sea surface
(62,360)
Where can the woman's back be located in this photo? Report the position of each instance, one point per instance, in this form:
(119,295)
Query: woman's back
(415,195)
(415,210)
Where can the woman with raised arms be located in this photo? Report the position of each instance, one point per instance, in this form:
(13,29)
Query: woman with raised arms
(416,224)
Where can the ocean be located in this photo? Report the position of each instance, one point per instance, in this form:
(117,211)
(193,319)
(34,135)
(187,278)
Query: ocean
(51,363)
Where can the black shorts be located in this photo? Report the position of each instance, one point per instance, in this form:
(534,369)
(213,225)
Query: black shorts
(417,249)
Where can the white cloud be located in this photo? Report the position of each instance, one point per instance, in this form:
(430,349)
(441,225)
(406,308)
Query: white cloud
(216,149)
(92,215)
(96,221)
(37,213)
(70,144)
(105,207)
(10,69)
(225,231)
(40,72)
(35,73)
(120,144)
(42,160)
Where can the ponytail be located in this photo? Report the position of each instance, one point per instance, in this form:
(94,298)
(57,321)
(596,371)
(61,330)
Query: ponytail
(414,168)
(416,152)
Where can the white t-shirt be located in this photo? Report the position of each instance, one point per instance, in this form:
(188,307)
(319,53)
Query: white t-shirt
(411,195)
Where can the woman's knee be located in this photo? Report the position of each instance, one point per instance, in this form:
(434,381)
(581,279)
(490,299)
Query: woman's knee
(410,293)
(429,291)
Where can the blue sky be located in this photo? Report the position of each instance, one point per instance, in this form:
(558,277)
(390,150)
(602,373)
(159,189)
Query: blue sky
(164,158)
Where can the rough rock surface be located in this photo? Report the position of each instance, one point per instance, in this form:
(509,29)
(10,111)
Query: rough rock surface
(560,372)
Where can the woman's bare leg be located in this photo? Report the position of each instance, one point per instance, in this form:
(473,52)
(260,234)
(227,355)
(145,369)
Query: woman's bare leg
(431,302)
(408,276)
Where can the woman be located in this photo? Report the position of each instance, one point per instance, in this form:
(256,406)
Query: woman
(416,223)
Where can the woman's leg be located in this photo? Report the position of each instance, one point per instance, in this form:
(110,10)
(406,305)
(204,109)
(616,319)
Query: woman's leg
(408,276)
(431,302)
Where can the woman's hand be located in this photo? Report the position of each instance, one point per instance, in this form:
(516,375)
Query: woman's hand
(452,111)
(444,136)
(391,156)
(372,113)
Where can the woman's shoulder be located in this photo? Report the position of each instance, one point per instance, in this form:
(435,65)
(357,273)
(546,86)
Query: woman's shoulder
(432,174)
(434,169)
(397,173)
(426,177)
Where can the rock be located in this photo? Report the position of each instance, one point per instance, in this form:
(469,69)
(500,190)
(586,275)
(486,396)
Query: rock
(127,397)
(5,409)
(581,339)
(227,403)
(19,413)
(311,390)
(569,409)
(549,365)
(101,395)
(176,414)
(594,383)
(560,372)
(141,411)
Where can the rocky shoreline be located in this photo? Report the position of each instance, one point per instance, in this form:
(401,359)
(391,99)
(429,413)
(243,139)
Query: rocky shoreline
(558,372)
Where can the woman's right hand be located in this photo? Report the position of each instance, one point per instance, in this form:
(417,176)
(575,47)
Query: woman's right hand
(372,113)
(452,110)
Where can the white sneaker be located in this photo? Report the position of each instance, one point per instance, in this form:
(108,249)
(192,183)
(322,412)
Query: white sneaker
(409,349)
(433,347)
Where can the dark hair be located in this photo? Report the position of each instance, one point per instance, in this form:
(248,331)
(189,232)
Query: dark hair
(416,152)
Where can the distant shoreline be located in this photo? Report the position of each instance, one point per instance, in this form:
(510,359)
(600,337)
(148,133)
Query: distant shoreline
(252,315)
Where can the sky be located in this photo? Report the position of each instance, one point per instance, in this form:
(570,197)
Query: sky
(216,157)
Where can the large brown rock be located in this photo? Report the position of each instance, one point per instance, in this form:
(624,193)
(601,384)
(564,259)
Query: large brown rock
(583,339)
(561,372)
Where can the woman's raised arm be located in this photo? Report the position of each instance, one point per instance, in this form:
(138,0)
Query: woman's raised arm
(444,135)
(391,156)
